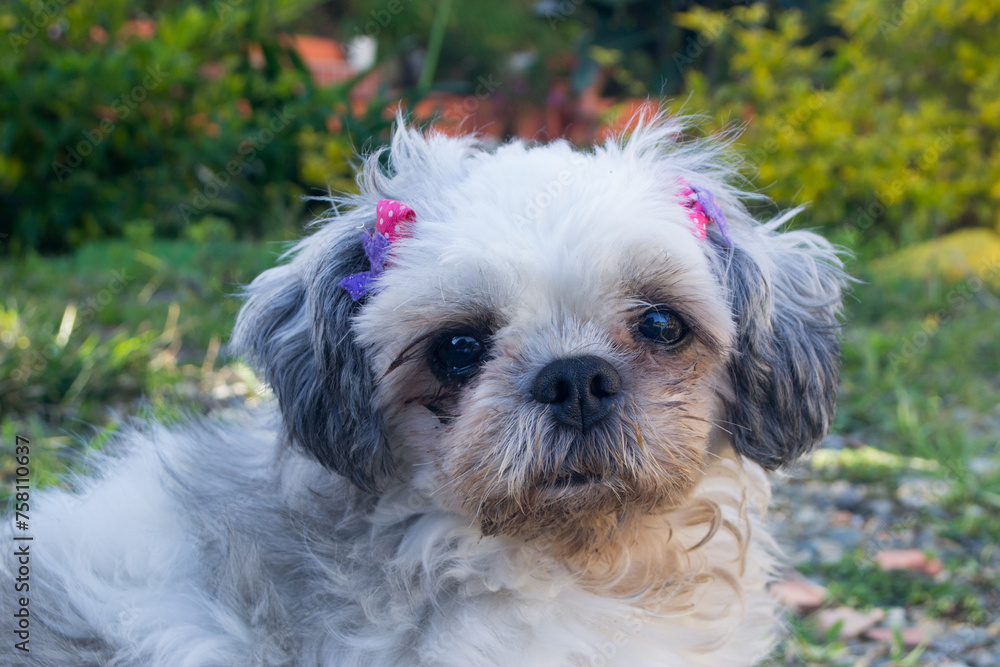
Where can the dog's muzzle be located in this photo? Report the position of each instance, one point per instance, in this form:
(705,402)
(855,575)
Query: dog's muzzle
(579,389)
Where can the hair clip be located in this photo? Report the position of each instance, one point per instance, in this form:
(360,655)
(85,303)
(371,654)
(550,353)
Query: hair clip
(392,222)
(702,210)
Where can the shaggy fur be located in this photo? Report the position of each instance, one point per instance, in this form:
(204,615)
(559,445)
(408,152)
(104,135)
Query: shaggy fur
(381,514)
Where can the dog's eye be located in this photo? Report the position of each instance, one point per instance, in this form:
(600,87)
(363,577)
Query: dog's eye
(456,356)
(662,326)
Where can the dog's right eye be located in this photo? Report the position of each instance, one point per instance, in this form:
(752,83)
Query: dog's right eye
(456,356)
(662,325)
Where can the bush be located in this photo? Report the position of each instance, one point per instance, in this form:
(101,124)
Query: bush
(890,130)
(105,120)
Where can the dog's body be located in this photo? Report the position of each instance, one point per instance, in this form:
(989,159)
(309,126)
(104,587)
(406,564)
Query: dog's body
(213,546)
(550,421)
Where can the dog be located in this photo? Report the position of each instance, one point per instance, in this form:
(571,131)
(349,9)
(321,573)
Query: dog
(526,399)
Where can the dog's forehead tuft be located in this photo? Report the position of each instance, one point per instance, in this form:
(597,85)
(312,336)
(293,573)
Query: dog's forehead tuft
(554,193)
(543,231)
(554,212)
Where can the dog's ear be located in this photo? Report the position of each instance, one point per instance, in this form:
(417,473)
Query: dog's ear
(785,291)
(295,329)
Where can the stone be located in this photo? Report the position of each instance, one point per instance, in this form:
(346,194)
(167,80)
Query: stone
(964,639)
(982,466)
(854,623)
(909,636)
(922,493)
(849,497)
(828,551)
(949,257)
(913,560)
(881,508)
(834,441)
(799,594)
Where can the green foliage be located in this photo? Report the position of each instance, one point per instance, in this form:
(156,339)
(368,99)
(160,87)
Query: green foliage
(86,338)
(919,380)
(919,375)
(889,130)
(503,50)
(867,465)
(858,583)
(808,644)
(101,126)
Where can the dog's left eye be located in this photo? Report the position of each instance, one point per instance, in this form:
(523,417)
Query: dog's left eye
(456,356)
(662,326)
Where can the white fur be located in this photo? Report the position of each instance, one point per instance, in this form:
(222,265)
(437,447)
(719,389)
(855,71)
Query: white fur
(122,559)
(216,543)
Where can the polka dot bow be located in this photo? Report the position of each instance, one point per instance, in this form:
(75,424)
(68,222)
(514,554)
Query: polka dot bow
(392,223)
(702,210)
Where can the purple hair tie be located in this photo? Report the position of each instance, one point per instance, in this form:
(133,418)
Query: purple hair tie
(702,209)
(392,223)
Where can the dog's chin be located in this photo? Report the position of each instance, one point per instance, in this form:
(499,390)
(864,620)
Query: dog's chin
(531,480)
(576,511)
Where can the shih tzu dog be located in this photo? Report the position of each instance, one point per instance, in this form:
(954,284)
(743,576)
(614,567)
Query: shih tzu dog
(526,399)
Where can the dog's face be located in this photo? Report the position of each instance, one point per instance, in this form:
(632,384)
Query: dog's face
(553,348)
(543,366)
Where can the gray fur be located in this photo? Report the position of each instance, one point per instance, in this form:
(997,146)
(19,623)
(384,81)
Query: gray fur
(785,291)
(295,331)
(286,571)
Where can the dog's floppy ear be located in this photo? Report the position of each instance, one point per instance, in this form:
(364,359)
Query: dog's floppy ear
(295,329)
(785,291)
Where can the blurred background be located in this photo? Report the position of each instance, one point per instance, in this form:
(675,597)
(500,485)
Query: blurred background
(156,155)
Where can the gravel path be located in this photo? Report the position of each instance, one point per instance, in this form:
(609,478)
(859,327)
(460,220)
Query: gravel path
(835,526)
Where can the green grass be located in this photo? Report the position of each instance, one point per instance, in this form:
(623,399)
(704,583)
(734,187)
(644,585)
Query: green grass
(807,644)
(859,583)
(921,378)
(86,339)
(921,367)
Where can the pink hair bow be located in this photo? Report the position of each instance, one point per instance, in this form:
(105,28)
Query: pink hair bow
(392,223)
(702,210)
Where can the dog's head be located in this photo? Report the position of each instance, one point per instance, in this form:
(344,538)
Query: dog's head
(554,341)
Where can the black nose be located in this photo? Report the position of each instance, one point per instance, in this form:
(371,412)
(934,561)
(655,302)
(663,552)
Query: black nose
(580,389)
